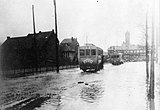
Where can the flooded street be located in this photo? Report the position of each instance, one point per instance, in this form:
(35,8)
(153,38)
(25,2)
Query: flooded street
(120,87)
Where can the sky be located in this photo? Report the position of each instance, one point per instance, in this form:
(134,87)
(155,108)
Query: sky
(101,22)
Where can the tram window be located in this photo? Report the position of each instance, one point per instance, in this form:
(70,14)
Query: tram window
(81,52)
(93,52)
(99,52)
(87,51)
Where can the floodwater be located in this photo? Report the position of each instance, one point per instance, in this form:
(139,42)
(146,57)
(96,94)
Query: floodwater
(122,87)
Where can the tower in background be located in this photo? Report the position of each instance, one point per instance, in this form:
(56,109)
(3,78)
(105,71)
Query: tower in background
(127,39)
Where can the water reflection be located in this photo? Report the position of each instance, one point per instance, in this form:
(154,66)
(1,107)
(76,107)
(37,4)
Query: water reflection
(147,94)
(91,93)
(89,73)
(150,101)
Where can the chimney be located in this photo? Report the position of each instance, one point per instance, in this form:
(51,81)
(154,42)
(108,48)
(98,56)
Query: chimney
(53,30)
(8,37)
(72,38)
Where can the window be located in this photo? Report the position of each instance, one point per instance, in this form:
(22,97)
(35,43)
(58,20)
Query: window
(100,52)
(81,52)
(87,51)
(93,52)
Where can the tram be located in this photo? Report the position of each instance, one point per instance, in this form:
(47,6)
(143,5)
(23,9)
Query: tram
(90,58)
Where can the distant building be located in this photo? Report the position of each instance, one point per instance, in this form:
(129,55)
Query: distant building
(20,52)
(130,51)
(69,49)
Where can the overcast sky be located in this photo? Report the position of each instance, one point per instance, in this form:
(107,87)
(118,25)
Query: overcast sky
(101,22)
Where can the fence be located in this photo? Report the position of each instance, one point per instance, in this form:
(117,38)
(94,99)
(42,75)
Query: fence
(32,71)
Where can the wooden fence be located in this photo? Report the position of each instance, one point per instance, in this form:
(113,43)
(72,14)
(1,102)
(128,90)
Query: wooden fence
(32,71)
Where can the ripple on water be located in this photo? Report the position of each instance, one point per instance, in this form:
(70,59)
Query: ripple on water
(91,93)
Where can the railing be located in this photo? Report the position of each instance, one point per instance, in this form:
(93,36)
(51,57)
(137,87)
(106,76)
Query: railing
(32,71)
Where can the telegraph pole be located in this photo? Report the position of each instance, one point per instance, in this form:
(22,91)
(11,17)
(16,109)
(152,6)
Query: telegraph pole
(159,38)
(147,57)
(34,29)
(151,89)
(34,43)
(57,42)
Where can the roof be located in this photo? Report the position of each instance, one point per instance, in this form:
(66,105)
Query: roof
(89,44)
(69,44)
(25,42)
(18,42)
(69,40)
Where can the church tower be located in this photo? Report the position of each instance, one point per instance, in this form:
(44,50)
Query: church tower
(127,39)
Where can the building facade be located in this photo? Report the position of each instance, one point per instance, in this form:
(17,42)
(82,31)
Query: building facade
(130,51)
(69,50)
(28,51)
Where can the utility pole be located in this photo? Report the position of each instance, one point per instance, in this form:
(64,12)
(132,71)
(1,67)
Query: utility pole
(57,42)
(34,42)
(151,89)
(147,57)
(159,38)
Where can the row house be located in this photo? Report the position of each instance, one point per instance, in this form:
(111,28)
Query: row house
(24,51)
